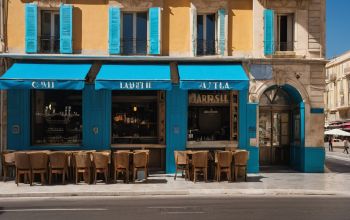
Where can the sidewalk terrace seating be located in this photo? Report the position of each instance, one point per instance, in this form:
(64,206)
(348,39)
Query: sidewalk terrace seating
(82,165)
(229,161)
(8,163)
(77,165)
(58,165)
(182,163)
(223,164)
(100,164)
(200,164)
(240,161)
(23,167)
(121,164)
(140,162)
(39,164)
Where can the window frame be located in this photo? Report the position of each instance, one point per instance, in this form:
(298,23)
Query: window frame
(234,116)
(134,13)
(160,100)
(277,33)
(216,37)
(33,115)
(53,12)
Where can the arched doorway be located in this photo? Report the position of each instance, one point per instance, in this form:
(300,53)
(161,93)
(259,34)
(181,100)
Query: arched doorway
(279,121)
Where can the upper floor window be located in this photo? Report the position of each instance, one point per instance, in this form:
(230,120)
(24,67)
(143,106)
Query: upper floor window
(48,30)
(285,32)
(134,33)
(49,37)
(206,34)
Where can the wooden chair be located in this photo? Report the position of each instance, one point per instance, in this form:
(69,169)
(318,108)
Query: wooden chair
(181,163)
(200,164)
(39,163)
(100,164)
(121,164)
(147,152)
(8,163)
(140,162)
(240,161)
(223,164)
(82,166)
(22,164)
(58,164)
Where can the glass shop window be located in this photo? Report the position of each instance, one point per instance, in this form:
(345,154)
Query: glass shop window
(56,117)
(136,117)
(213,116)
(134,33)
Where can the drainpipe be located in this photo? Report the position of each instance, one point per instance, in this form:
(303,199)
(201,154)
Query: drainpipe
(2,25)
(2,62)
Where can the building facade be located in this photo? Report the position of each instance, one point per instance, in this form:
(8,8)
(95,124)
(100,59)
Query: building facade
(337,99)
(168,75)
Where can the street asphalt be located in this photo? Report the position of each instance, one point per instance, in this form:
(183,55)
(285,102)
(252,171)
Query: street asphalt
(169,208)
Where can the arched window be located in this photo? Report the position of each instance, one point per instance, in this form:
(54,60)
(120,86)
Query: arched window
(275,96)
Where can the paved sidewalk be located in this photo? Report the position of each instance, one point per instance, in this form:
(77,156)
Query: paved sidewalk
(284,183)
(337,153)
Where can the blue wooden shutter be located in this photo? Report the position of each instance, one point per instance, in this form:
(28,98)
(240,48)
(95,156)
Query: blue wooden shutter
(269,42)
(18,119)
(66,31)
(222,31)
(154,32)
(114,30)
(31,38)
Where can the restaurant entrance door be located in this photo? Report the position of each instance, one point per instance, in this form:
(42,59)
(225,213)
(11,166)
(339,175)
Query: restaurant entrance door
(275,127)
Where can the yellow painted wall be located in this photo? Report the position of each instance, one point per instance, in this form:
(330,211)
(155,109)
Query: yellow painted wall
(176,27)
(15,26)
(240,23)
(90,26)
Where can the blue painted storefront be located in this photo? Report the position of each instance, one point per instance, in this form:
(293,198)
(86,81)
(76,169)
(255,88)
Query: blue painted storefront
(97,126)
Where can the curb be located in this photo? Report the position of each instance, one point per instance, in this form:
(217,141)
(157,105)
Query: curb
(194,192)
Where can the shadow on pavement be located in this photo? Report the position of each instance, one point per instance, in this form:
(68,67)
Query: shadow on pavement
(276,169)
(337,166)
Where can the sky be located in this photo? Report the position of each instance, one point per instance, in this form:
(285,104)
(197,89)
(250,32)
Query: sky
(338,27)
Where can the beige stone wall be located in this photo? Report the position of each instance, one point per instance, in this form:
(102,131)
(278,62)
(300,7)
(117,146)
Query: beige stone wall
(308,79)
(309,27)
(337,94)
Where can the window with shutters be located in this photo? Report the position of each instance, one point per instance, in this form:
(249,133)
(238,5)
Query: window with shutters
(206,34)
(49,37)
(134,33)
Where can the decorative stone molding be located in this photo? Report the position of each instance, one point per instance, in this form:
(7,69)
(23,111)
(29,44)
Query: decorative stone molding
(49,3)
(136,4)
(299,4)
(208,6)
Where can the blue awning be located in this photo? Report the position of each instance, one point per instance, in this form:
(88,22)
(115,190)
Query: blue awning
(212,77)
(45,76)
(134,77)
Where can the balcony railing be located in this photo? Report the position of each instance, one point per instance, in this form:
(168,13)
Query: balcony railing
(284,46)
(49,44)
(132,46)
(206,47)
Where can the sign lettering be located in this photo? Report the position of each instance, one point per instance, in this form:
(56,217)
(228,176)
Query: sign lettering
(214,85)
(195,98)
(135,85)
(43,84)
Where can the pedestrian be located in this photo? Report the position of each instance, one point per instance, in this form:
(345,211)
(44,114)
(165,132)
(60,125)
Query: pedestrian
(330,143)
(346,146)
